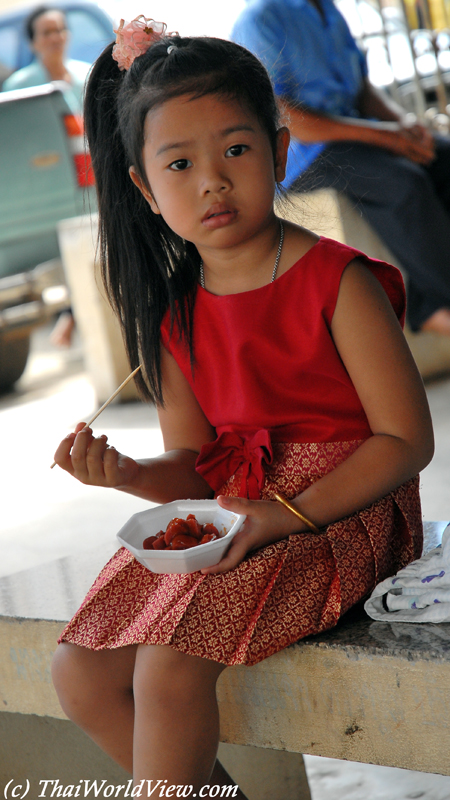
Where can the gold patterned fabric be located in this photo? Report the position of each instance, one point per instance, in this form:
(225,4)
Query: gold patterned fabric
(277,595)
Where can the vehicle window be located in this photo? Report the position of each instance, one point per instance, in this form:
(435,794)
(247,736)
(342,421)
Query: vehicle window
(9,45)
(88,36)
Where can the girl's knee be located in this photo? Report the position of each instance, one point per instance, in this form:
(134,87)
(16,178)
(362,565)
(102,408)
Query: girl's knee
(63,677)
(166,675)
(63,666)
(71,679)
(84,679)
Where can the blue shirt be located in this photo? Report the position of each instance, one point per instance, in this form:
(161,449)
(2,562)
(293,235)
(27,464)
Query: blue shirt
(311,60)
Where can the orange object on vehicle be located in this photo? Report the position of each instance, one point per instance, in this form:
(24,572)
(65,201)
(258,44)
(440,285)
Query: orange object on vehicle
(81,156)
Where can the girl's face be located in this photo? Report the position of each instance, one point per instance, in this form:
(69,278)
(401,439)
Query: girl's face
(211,170)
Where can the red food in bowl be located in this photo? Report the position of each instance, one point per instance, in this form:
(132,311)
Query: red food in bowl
(181,534)
(148,542)
(209,529)
(159,544)
(175,527)
(195,529)
(182,541)
(208,537)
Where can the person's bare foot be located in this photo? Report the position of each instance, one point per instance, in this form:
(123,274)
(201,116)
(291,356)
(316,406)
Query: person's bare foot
(61,335)
(439,322)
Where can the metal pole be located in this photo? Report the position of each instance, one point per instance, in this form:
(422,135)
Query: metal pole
(421,105)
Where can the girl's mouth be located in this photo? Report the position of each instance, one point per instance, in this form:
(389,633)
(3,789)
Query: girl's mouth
(218,216)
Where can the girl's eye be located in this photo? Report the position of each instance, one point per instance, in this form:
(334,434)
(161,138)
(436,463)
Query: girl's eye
(180,165)
(236,150)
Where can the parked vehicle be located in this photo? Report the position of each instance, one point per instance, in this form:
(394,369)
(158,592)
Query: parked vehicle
(45,177)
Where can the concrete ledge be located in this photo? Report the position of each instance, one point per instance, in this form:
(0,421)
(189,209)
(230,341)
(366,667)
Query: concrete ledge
(344,702)
(37,741)
(322,696)
(365,691)
(26,650)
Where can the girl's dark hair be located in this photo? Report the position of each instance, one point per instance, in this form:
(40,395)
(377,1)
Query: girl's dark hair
(146,268)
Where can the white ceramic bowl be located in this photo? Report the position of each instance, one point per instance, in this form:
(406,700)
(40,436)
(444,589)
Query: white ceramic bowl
(150,522)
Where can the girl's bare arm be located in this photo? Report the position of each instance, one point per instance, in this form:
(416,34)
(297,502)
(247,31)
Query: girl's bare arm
(375,353)
(373,349)
(167,477)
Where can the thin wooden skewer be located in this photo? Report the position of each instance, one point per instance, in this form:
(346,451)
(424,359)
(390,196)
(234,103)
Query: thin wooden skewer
(114,394)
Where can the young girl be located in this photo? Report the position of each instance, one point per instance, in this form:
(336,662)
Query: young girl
(278,366)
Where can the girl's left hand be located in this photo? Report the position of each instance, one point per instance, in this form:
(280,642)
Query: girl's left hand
(267,522)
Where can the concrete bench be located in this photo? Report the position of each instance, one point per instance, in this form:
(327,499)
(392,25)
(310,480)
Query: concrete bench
(365,691)
(329,213)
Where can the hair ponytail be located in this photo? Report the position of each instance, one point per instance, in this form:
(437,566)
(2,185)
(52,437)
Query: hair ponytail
(139,254)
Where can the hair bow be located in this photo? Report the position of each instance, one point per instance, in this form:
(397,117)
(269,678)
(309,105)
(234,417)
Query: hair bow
(135,37)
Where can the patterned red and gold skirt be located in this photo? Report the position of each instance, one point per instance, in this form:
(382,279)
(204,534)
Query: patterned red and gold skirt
(276,596)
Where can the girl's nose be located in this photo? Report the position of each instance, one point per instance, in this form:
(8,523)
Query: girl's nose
(215,181)
(216,189)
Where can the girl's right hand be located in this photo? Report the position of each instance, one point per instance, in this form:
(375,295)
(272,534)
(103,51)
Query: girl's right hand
(93,462)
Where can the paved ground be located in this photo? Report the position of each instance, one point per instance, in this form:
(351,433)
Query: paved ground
(45,514)
(330,779)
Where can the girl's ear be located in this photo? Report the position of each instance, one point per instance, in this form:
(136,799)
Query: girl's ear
(137,180)
(283,139)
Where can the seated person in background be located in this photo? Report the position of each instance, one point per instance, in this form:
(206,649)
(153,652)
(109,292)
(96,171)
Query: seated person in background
(46,29)
(350,136)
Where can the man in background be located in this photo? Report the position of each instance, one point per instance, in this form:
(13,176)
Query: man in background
(349,135)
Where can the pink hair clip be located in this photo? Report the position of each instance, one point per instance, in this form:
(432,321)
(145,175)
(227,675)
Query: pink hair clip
(135,37)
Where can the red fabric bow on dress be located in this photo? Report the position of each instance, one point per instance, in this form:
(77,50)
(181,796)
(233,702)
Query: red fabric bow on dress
(220,459)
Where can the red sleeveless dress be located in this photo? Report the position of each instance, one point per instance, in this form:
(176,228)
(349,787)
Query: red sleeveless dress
(270,380)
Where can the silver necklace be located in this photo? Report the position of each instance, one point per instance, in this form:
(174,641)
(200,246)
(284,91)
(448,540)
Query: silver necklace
(275,266)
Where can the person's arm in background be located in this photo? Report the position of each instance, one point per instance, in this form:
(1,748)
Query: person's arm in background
(398,134)
(375,103)
(304,85)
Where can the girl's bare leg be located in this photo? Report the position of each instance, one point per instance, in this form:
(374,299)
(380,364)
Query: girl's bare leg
(176,732)
(95,688)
